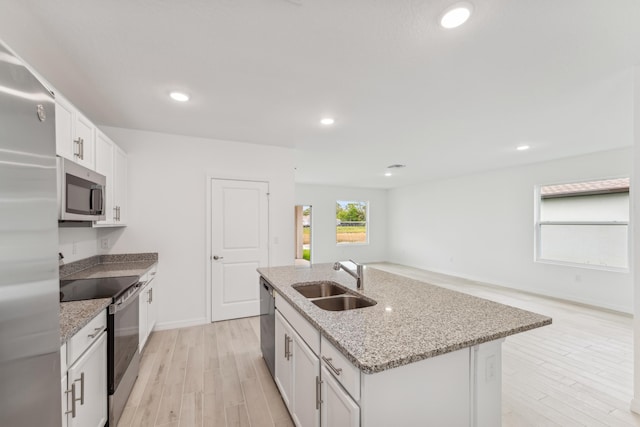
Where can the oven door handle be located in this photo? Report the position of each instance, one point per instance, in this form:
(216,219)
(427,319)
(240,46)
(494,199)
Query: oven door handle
(123,303)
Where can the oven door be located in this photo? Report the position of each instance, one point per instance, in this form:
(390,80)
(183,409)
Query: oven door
(123,338)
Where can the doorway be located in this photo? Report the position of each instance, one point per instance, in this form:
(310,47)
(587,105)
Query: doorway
(303,235)
(239,245)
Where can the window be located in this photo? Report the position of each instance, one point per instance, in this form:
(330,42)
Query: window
(584,224)
(351,222)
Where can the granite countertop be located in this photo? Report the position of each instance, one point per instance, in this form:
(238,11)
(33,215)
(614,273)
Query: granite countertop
(75,314)
(411,321)
(109,266)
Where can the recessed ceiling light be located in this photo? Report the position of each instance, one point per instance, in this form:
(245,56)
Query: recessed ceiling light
(387,174)
(179,96)
(456,15)
(327,121)
(522,147)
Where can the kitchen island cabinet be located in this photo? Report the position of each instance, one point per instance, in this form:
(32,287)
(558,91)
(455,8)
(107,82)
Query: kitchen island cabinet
(423,355)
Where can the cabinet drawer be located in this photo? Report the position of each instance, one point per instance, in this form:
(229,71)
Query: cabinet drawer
(342,370)
(309,334)
(85,337)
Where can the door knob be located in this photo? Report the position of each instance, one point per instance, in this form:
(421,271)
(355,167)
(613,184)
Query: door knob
(216,257)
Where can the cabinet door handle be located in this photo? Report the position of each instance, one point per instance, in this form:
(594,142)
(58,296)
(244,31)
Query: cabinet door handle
(286,347)
(73,400)
(82,148)
(335,370)
(289,340)
(77,144)
(96,331)
(318,392)
(81,388)
(118,213)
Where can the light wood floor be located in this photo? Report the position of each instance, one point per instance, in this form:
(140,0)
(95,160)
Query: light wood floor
(576,372)
(211,375)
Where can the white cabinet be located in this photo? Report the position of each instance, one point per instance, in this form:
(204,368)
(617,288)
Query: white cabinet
(148,314)
(111,162)
(75,134)
(105,151)
(297,375)
(65,399)
(89,376)
(306,385)
(84,384)
(284,368)
(65,146)
(338,409)
(148,309)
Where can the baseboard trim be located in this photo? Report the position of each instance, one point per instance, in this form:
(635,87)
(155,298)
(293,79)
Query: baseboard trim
(163,326)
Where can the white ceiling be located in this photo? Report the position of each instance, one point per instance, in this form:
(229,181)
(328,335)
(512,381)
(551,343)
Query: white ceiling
(554,74)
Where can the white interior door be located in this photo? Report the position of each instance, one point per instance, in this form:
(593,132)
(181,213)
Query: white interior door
(239,245)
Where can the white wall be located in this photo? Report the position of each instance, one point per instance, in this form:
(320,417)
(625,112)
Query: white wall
(635,218)
(323,227)
(77,243)
(167,209)
(482,227)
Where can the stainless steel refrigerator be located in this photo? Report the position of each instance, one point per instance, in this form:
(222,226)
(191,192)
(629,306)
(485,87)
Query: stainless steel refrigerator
(30,388)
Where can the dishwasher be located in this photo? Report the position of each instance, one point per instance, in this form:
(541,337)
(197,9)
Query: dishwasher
(268,324)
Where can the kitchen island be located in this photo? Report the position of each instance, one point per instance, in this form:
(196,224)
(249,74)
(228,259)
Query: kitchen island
(422,355)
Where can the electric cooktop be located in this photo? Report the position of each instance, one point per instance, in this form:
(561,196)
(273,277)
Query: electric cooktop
(106,287)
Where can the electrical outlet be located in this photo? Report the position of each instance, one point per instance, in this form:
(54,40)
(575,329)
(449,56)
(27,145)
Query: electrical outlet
(74,248)
(104,243)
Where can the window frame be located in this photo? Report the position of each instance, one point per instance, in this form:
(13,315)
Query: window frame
(367,221)
(537,225)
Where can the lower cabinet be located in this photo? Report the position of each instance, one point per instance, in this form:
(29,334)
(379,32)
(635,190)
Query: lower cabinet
(283,365)
(338,409)
(63,388)
(83,366)
(85,394)
(297,375)
(306,384)
(148,309)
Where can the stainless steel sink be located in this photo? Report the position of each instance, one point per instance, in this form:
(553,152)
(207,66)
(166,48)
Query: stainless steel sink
(319,289)
(344,302)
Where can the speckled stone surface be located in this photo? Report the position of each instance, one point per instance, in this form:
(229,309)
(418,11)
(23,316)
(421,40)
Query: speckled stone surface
(75,314)
(109,266)
(411,321)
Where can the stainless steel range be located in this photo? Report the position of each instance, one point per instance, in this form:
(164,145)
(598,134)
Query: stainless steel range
(123,331)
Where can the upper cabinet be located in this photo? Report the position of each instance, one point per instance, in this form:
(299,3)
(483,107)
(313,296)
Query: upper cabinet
(75,134)
(80,141)
(105,151)
(111,162)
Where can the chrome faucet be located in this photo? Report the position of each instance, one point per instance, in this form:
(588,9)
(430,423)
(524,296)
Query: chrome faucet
(356,275)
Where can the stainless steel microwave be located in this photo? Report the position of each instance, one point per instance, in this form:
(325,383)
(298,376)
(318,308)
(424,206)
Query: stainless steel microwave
(81,192)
